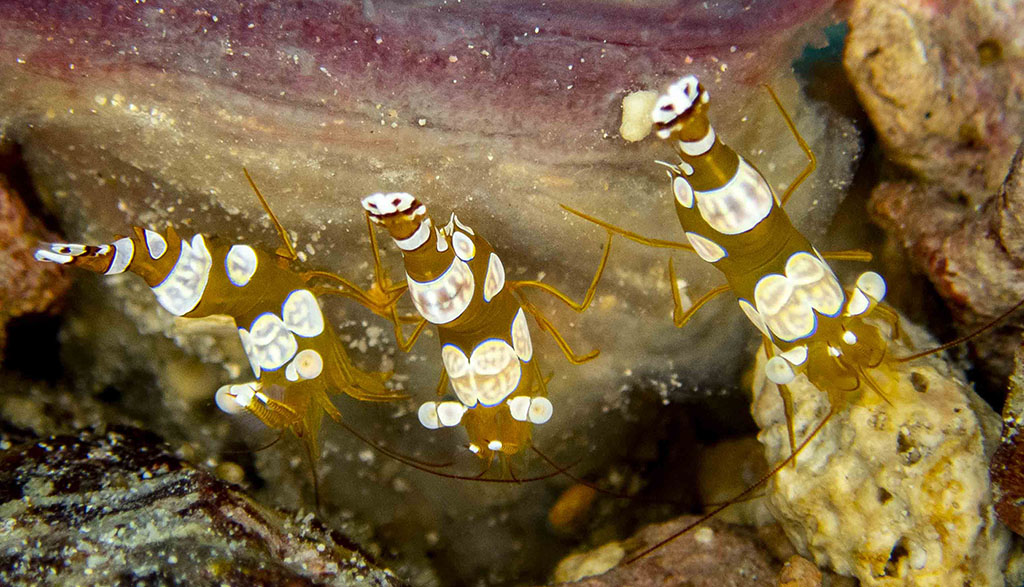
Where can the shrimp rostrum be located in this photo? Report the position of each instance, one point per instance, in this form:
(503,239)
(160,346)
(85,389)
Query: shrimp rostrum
(457,282)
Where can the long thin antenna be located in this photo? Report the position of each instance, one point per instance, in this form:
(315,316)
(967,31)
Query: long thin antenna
(740,496)
(964,338)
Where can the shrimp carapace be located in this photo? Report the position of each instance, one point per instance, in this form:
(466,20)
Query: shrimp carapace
(297,360)
(458,283)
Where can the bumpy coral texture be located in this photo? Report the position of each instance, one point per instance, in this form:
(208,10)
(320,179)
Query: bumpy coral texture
(894,494)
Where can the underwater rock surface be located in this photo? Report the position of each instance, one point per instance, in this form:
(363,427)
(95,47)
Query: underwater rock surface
(974,257)
(117,508)
(716,555)
(26,286)
(943,85)
(941,82)
(891,493)
(1007,470)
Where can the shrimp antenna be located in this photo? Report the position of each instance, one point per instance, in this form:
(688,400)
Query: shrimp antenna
(991,324)
(277,439)
(597,488)
(428,468)
(739,496)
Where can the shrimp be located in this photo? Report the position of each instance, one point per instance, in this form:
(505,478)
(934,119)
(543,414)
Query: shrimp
(296,357)
(457,283)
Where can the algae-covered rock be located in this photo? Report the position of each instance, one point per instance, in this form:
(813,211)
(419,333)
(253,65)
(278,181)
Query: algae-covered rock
(892,492)
(117,508)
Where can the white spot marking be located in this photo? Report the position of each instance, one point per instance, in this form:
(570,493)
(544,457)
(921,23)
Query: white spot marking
(540,410)
(697,148)
(240,264)
(428,416)
(249,351)
(754,316)
(858,303)
(495,279)
(494,445)
(779,371)
(790,303)
(416,240)
(124,252)
(273,345)
(492,372)
(450,413)
(463,245)
(302,314)
(519,406)
(444,299)
(796,355)
(521,340)
(461,225)
(683,191)
(849,337)
(155,244)
(308,364)
(705,248)
(442,241)
(739,205)
(872,285)
(234,399)
(179,293)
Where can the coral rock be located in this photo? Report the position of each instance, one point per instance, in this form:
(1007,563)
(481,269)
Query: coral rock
(941,82)
(894,494)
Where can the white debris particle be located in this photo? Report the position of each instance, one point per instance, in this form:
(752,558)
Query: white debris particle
(704,535)
(453,59)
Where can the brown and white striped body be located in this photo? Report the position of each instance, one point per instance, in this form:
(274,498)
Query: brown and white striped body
(457,282)
(734,221)
(296,358)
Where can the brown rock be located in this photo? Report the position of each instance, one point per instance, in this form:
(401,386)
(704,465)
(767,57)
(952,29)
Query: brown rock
(713,555)
(117,508)
(26,286)
(1007,469)
(941,83)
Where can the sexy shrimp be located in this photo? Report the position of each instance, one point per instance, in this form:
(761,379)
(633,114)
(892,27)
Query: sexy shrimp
(733,220)
(457,282)
(297,360)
